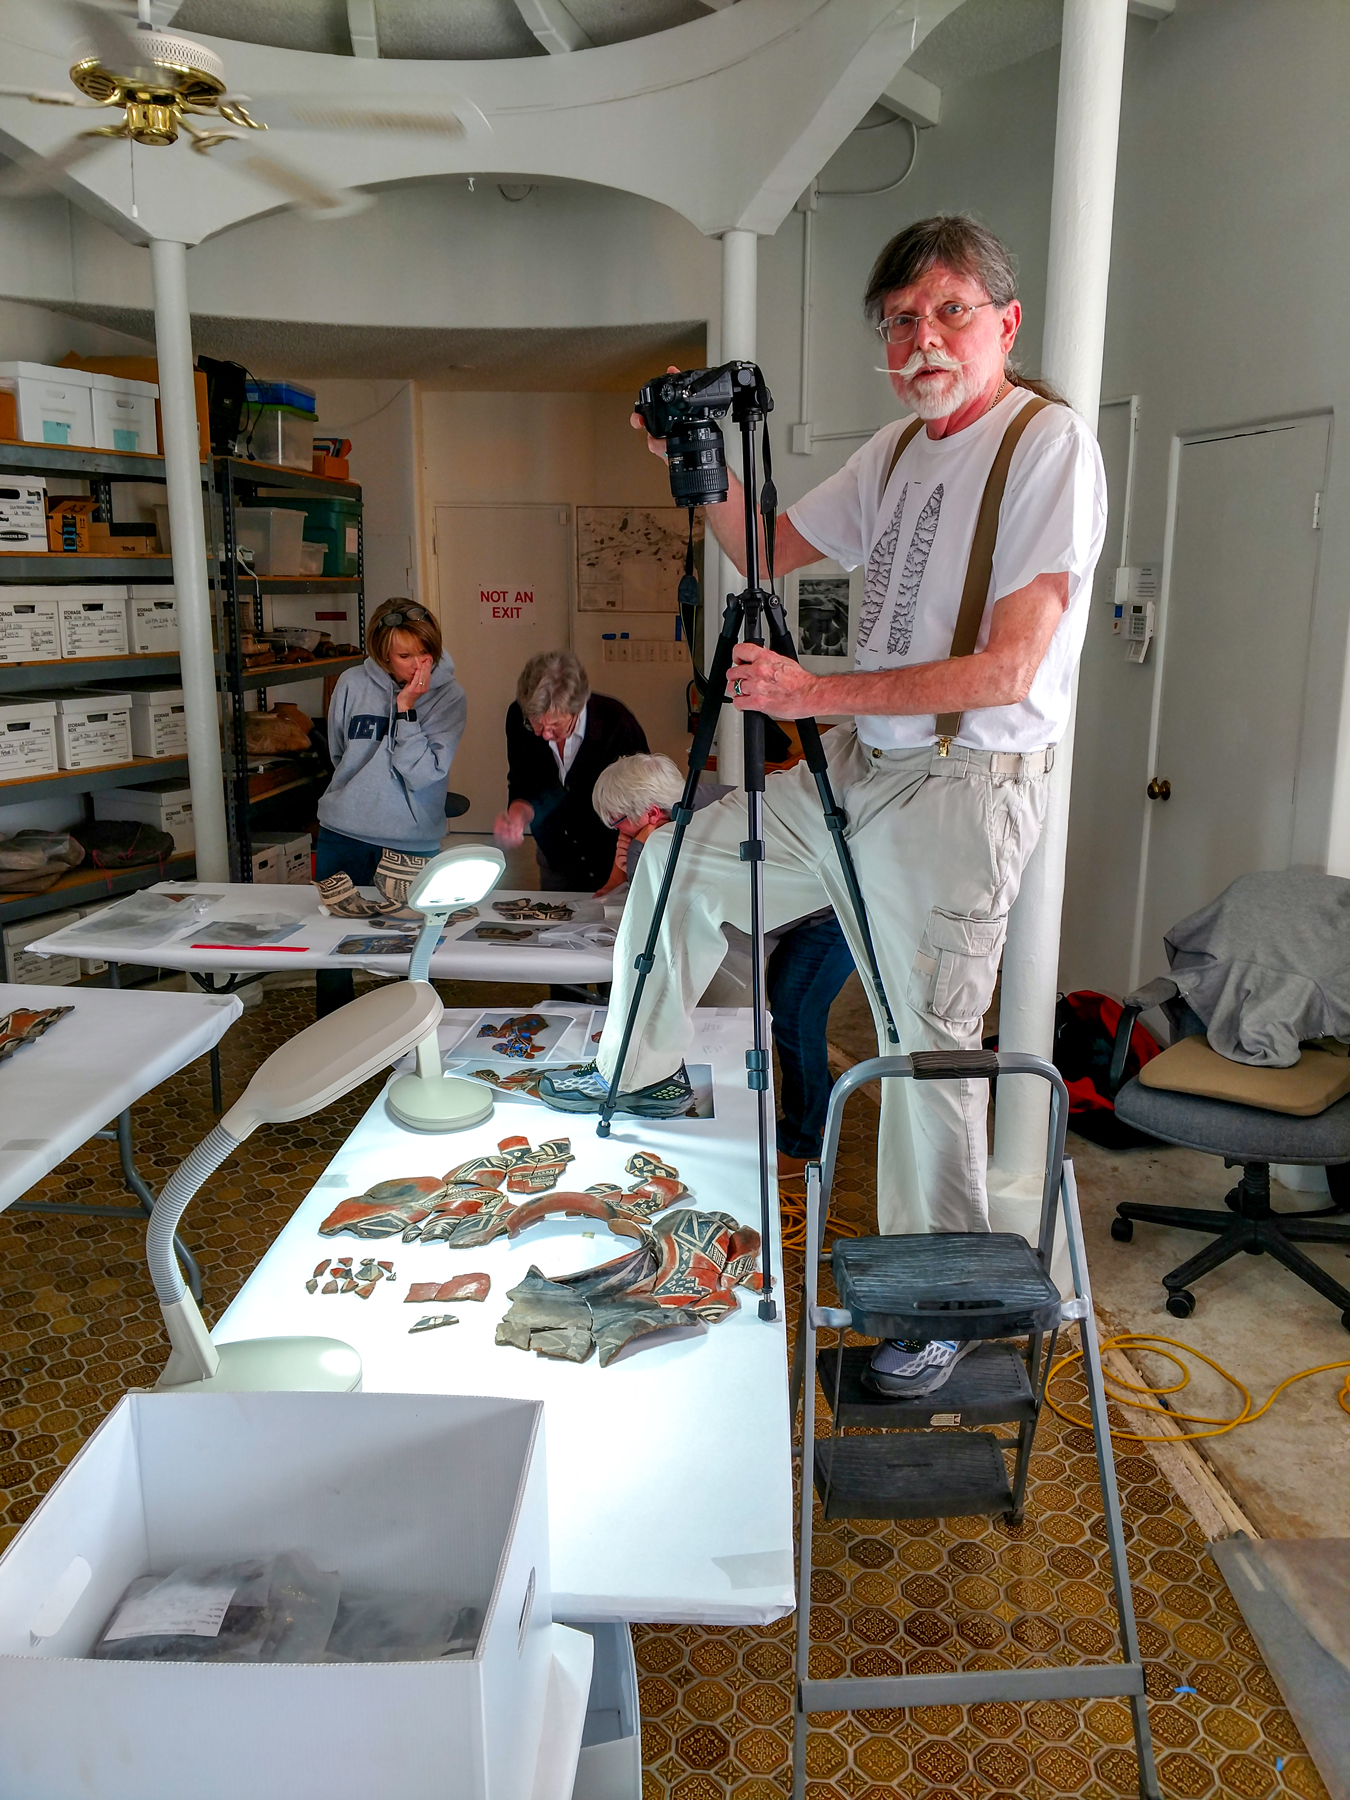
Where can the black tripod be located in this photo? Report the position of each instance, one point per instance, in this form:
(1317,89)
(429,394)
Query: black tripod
(745,616)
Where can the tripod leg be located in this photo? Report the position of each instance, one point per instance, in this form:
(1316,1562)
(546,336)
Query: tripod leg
(780,640)
(699,753)
(757,1059)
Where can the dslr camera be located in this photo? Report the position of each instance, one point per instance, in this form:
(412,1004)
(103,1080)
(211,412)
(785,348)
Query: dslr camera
(683,409)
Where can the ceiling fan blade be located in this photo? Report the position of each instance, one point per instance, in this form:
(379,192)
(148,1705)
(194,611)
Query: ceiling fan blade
(424,115)
(48,97)
(113,38)
(36,173)
(312,196)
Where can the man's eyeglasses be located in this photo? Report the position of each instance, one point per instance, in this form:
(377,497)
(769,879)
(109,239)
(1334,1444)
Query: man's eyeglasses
(952,315)
(394,619)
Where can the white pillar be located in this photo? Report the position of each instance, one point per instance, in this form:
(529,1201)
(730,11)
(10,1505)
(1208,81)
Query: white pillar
(182,468)
(740,309)
(1091,61)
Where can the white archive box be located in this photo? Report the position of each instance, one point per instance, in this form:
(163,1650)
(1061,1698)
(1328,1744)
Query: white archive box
(124,414)
(158,722)
(55,406)
(93,729)
(269,865)
(294,853)
(30,626)
(152,620)
(93,620)
(164,804)
(23,513)
(436,1495)
(27,738)
(42,971)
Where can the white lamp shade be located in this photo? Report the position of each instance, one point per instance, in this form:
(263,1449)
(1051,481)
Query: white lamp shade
(457,877)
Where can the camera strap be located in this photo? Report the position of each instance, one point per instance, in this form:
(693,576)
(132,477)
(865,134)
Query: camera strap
(687,599)
(768,507)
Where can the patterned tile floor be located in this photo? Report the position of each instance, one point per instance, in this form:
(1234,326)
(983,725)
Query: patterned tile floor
(78,1325)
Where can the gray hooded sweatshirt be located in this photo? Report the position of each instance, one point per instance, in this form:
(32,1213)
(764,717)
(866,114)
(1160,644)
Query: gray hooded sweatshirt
(391,773)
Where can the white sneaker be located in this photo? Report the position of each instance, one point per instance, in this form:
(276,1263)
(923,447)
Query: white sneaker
(909,1368)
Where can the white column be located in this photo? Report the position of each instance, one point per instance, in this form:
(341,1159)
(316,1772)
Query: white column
(740,306)
(1091,61)
(182,468)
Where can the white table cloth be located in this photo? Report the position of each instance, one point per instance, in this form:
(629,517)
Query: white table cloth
(670,1474)
(56,1092)
(460,958)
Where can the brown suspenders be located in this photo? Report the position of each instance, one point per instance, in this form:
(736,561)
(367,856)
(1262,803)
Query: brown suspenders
(980,568)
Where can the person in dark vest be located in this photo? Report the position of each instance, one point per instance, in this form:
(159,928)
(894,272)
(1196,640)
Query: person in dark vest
(559,736)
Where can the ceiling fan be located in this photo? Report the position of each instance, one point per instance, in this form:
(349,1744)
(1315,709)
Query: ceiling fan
(159,85)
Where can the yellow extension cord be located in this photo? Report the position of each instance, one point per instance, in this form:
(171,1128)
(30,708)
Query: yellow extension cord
(1216,1427)
(792,1208)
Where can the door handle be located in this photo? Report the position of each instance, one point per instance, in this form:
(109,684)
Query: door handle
(1159,790)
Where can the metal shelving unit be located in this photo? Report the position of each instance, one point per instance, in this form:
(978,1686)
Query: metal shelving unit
(237,483)
(103,470)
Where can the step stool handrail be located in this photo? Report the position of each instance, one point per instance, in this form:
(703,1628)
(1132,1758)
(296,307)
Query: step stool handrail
(954,1065)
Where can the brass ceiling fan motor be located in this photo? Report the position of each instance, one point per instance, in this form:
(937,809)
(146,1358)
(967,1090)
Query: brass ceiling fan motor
(176,77)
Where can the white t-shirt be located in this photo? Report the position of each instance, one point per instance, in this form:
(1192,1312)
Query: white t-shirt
(916,537)
(567,755)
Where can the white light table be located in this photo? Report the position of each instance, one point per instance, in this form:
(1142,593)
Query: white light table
(670,1471)
(85,1071)
(462,957)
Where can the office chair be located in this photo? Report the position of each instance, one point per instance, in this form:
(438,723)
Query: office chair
(1249,1131)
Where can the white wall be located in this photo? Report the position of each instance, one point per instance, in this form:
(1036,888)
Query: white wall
(1230,256)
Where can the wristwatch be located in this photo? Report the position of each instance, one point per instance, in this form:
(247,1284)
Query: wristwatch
(410,715)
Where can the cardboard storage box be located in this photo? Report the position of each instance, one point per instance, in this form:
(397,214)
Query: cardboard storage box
(93,729)
(93,621)
(269,865)
(23,514)
(27,738)
(146,368)
(164,804)
(68,522)
(407,1493)
(54,405)
(152,620)
(295,852)
(30,626)
(609,1766)
(124,414)
(43,971)
(158,722)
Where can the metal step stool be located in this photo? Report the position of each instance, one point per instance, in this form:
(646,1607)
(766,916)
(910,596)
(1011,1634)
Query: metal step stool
(990,1286)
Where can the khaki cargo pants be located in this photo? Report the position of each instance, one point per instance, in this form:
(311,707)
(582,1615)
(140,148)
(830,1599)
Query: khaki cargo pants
(940,844)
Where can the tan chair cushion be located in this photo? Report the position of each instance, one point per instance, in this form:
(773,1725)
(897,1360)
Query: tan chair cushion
(1316,1081)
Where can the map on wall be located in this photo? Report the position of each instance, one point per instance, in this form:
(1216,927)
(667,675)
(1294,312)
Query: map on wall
(631,558)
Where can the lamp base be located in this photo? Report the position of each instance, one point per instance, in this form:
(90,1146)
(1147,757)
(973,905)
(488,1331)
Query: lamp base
(439,1102)
(293,1365)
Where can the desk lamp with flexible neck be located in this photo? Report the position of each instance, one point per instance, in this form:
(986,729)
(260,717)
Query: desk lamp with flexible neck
(319,1065)
(430,1100)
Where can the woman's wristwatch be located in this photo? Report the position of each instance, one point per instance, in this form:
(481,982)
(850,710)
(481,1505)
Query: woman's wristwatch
(410,715)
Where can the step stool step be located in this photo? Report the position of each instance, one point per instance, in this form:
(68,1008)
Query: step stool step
(927,1475)
(988,1387)
(954,1284)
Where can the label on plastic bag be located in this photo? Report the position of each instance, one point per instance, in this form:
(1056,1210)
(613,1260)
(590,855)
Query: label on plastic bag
(173,1609)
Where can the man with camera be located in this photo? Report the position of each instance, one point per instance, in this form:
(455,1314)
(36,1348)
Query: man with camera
(954,714)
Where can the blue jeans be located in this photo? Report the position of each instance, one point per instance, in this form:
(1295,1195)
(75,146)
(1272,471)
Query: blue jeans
(337,854)
(805,973)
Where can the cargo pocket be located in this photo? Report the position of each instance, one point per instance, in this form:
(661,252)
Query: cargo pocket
(955,966)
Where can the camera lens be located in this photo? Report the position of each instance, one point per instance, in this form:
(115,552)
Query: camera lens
(698,464)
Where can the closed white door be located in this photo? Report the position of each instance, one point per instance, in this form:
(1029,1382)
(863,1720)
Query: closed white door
(504,593)
(1235,666)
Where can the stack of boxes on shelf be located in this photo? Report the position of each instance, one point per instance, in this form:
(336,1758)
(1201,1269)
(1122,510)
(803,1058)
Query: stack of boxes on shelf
(76,407)
(280,424)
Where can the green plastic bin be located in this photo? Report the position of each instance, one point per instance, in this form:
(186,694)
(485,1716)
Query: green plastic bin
(332,523)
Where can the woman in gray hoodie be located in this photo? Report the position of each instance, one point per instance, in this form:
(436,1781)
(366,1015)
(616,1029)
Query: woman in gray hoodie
(393,727)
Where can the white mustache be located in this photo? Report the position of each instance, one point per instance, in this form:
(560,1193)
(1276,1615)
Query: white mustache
(929,359)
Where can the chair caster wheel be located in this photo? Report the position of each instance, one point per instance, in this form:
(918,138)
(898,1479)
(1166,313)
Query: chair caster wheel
(1181,1303)
(1122,1230)
(1232,1199)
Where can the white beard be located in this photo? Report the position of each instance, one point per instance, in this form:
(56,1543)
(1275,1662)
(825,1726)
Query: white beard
(927,401)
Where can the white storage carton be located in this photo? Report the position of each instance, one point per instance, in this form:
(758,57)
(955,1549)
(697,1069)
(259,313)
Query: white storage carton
(410,1493)
(93,729)
(94,965)
(269,865)
(609,1766)
(27,738)
(152,620)
(124,413)
(164,804)
(55,405)
(43,971)
(294,851)
(158,722)
(23,514)
(30,626)
(93,620)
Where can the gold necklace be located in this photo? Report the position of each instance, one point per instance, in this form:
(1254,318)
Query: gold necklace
(1002,387)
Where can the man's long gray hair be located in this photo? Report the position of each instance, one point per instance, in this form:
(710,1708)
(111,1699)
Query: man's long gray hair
(961,244)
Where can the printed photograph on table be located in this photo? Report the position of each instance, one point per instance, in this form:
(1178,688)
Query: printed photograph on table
(519,1035)
(245,934)
(384,943)
(822,614)
(521,1083)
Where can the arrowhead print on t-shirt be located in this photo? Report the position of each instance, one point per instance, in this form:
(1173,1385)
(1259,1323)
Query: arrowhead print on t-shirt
(881,563)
